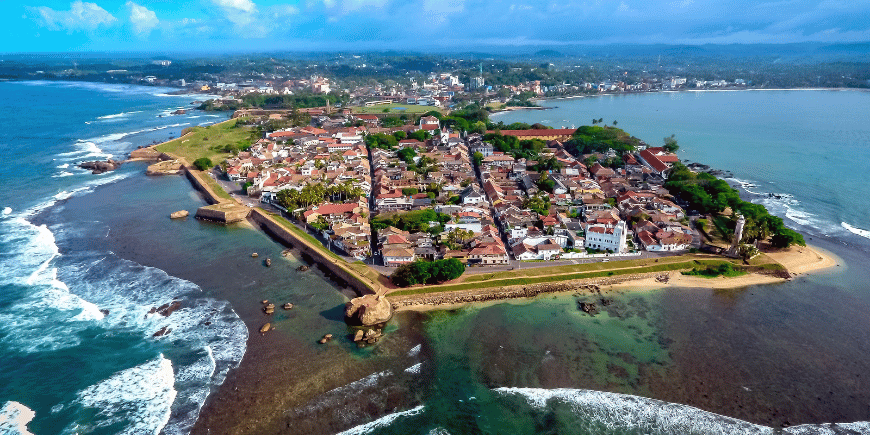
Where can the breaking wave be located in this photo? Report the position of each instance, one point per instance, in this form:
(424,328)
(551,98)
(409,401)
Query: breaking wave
(856,231)
(118,115)
(603,412)
(141,396)
(384,421)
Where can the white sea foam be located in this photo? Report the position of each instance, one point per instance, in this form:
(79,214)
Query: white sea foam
(66,194)
(63,174)
(415,350)
(856,231)
(115,137)
(14,418)
(414,369)
(142,395)
(7,211)
(63,166)
(118,115)
(32,266)
(382,422)
(623,412)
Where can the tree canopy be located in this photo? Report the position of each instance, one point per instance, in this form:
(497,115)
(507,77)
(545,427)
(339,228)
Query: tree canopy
(708,194)
(593,139)
(412,221)
(203,163)
(424,272)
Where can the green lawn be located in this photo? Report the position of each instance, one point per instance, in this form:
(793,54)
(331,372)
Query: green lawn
(215,186)
(205,141)
(488,282)
(587,267)
(395,109)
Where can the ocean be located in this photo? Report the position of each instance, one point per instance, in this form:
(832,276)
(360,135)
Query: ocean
(86,258)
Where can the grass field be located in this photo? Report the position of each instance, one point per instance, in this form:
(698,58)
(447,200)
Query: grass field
(593,270)
(396,109)
(566,277)
(205,141)
(215,186)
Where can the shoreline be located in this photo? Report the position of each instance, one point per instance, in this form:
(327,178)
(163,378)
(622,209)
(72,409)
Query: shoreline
(798,261)
(576,97)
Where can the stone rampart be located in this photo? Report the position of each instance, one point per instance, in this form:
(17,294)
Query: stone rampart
(514,291)
(361,284)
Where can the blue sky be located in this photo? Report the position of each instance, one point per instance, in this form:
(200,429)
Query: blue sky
(419,25)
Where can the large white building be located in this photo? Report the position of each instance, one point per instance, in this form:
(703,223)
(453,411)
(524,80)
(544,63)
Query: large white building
(607,237)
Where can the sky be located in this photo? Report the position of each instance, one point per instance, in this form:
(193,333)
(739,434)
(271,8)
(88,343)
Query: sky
(417,25)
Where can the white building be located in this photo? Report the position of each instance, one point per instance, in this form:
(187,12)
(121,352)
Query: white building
(606,237)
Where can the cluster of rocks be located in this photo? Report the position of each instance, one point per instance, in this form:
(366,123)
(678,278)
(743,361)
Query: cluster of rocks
(700,167)
(302,268)
(591,308)
(326,339)
(663,278)
(166,309)
(163,331)
(98,167)
(368,336)
(269,308)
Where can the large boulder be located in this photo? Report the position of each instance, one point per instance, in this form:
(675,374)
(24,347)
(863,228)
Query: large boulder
(179,214)
(98,167)
(368,310)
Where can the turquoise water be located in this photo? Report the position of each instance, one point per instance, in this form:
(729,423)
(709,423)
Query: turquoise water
(659,362)
(76,343)
(811,146)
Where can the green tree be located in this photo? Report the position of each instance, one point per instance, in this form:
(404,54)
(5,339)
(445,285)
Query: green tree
(671,144)
(203,163)
(477,158)
(320,223)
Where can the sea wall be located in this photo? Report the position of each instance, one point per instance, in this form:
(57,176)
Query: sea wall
(515,291)
(361,284)
(209,194)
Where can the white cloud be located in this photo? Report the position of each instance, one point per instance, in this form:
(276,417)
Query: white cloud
(81,16)
(238,5)
(142,19)
(242,13)
(437,11)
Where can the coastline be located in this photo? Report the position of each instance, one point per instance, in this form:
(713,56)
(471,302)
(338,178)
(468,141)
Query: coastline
(798,261)
(596,95)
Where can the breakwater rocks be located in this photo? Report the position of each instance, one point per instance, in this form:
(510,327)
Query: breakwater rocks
(98,167)
(513,292)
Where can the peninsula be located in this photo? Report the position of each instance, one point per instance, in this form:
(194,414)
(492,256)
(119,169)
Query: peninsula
(431,214)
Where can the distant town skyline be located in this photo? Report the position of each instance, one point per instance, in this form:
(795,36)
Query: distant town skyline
(425,25)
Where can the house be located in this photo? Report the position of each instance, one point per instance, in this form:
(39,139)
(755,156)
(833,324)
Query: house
(398,256)
(658,159)
(488,254)
(481,147)
(471,195)
(429,123)
(333,212)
